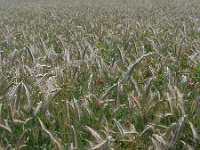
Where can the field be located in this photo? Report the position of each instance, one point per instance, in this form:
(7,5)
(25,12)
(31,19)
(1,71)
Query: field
(100,75)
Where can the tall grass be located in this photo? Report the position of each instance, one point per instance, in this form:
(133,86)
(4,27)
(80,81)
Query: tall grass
(99,74)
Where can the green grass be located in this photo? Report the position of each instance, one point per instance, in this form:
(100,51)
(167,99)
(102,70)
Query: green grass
(99,74)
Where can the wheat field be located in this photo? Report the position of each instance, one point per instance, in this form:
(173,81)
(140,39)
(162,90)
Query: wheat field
(100,75)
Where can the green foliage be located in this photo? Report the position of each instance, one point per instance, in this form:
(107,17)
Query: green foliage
(99,74)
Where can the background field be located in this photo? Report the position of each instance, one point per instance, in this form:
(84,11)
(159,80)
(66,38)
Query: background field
(94,74)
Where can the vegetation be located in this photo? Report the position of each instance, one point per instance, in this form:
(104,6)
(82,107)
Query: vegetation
(94,74)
